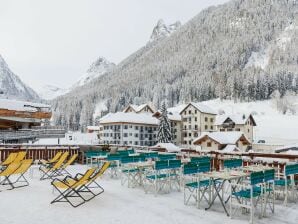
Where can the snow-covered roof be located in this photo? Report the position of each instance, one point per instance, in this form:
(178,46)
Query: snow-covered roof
(121,117)
(287,148)
(21,105)
(236,118)
(137,108)
(94,128)
(201,107)
(230,148)
(173,112)
(224,138)
(169,147)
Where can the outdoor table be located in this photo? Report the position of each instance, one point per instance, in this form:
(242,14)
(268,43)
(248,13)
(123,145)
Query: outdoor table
(140,166)
(256,168)
(97,159)
(226,176)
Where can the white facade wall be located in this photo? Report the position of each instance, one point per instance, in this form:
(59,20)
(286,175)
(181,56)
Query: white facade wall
(194,123)
(129,134)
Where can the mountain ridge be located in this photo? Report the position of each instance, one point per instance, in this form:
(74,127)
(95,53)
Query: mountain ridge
(205,58)
(12,87)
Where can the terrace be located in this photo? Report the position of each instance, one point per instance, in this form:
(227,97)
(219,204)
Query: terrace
(120,203)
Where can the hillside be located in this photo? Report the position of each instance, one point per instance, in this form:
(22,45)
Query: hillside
(240,50)
(12,87)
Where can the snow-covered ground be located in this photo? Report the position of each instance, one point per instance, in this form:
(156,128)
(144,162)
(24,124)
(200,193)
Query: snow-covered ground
(118,204)
(272,126)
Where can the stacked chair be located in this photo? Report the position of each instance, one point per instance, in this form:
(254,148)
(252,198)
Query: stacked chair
(195,187)
(164,176)
(13,170)
(129,174)
(258,192)
(285,185)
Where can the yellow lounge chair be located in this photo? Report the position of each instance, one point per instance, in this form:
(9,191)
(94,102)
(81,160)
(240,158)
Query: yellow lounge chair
(55,170)
(82,183)
(68,163)
(11,157)
(68,188)
(21,156)
(16,169)
(53,160)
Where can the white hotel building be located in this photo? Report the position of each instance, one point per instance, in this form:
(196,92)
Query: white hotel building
(129,129)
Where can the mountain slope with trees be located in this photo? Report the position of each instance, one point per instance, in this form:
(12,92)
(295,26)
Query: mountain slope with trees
(242,50)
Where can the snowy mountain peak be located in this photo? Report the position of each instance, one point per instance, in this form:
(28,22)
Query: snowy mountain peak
(97,68)
(49,92)
(12,87)
(162,30)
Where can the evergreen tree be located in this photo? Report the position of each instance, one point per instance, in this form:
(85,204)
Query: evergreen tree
(164,134)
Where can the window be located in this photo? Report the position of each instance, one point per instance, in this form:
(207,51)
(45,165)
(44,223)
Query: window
(189,112)
(196,119)
(136,143)
(237,129)
(125,142)
(206,127)
(189,119)
(125,127)
(185,135)
(211,119)
(230,129)
(196,127)
(196,111)
(209,144)
(185,112)
(189,134)
(130,126)
(195,134)
(136,135)
(206,119)
(189,127)
(136,127)
(189,142)
(248,130)
(125,135)
(211,127)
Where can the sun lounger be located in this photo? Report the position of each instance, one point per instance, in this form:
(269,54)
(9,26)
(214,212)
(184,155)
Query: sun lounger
(55,170)
(16,169)
(71,188)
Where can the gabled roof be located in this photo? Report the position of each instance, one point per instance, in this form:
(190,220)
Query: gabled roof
(223,138)
(130,118)
(138,108)
(173,113)
(236,118)
(200,107)
(230,148)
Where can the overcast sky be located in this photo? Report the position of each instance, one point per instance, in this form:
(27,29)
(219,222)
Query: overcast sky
(55,41)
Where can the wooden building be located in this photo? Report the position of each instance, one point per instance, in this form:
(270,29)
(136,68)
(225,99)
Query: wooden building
(15,115)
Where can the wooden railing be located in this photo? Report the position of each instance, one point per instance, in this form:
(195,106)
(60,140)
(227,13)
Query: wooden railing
(276,160)
(40,152)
